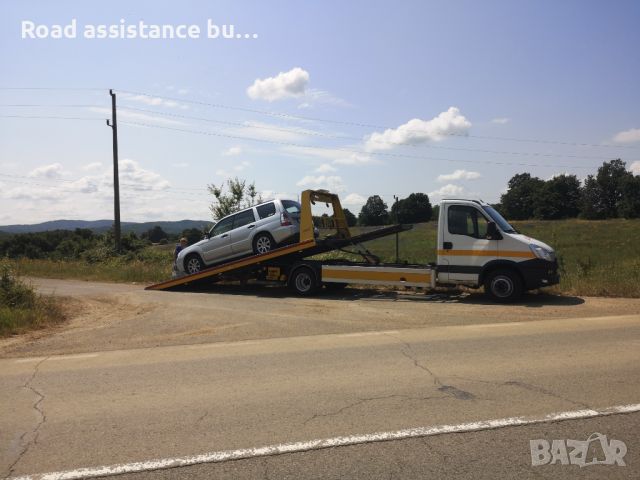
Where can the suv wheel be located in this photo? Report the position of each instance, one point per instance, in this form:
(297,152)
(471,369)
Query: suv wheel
(263,243)
(503,286)
(193,264)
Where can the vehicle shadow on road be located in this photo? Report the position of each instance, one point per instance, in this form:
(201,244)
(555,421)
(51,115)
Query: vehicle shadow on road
(529,299)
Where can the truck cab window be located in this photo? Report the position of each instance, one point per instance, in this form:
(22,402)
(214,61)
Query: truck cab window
(466,220)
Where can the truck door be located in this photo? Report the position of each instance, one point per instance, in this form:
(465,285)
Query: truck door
(465,248)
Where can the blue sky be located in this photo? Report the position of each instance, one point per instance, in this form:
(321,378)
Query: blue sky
(371,97)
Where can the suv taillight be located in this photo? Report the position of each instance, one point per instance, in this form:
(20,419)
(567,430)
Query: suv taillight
(285,219)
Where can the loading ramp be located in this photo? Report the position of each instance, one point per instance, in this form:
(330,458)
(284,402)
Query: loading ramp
(308,246)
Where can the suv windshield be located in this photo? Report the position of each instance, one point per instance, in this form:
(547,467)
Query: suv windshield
(499,219)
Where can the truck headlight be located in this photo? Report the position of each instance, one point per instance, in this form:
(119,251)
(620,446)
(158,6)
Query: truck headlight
(542,253)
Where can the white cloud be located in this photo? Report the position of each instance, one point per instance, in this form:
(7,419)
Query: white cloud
(284,85)
(315,96)
(93,166)
(271,132)
(354,199)
(231,152)
(47,171)
(325,168)
(447,190)
(236,169)
(183,91)
(459,175)
(153,101)
(501,120)
(332,183)
(416,130)
(628,136)
(33,193)
(139,178)
(635,167)
(335,155)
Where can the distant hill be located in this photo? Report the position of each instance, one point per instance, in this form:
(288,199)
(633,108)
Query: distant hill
(100,226)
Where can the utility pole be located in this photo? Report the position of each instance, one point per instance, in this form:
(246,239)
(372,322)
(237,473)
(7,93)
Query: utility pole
(395,198)
(116,182)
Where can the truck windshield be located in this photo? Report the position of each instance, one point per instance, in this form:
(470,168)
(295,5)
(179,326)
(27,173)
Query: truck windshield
(499,219)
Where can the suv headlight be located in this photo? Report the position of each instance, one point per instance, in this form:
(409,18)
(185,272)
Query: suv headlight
(542,253)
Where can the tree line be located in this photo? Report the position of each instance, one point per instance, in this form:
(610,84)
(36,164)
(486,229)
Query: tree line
(613,192)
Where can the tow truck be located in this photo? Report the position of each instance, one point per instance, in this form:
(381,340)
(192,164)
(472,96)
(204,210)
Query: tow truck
(476,247)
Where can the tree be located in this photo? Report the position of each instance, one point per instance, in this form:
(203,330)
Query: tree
(374,212)
(558,198)
(350,217)
(413,209)
(521,199)
(435,212)
(239,195)
(603,194)
(192,235)
(629,206)
(155,234)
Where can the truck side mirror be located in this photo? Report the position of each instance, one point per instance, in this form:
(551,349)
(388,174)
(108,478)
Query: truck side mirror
(492,231)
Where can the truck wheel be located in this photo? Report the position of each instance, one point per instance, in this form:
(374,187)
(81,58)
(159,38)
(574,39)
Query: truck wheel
(193,263)
(303,281)
(263,243)
(503,286)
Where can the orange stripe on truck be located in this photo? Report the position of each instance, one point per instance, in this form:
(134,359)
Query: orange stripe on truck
(487,253)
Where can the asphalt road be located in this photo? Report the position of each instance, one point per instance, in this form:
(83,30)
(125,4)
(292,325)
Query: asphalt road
(69,404)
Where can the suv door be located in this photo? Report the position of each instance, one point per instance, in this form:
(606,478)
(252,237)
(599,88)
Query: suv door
(218,247)
(465,248)
(243,225)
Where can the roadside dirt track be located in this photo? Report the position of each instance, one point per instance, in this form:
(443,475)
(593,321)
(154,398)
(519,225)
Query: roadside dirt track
(107,316)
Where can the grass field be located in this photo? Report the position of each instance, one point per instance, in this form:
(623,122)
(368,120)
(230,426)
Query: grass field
(596,257)
(600,258)
(22,309)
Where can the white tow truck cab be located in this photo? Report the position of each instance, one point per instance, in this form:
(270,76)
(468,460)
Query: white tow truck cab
(476,247)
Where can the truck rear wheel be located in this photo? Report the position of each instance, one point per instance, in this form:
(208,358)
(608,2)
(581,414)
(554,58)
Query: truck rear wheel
(303,281)
(503,286)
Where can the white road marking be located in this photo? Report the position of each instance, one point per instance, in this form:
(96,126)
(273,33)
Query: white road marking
(366,334)
(57,357)
(222,344)
(223,456)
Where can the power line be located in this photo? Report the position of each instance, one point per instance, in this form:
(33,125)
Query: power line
(137,187)
(56,105)
(366,125)
(348,150)
(345,137)
(51,117)
(55,88)
(303,132)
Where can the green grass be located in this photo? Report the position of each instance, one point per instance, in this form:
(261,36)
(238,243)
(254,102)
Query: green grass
(22,309)
(596,257)
(600,258)
(152,265)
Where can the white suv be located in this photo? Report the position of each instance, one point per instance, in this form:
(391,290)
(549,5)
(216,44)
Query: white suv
(256,230)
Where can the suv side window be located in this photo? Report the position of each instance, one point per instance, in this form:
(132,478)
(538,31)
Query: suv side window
(243,218)
(465,220)
(291,207)
(266,210)
(222,226)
